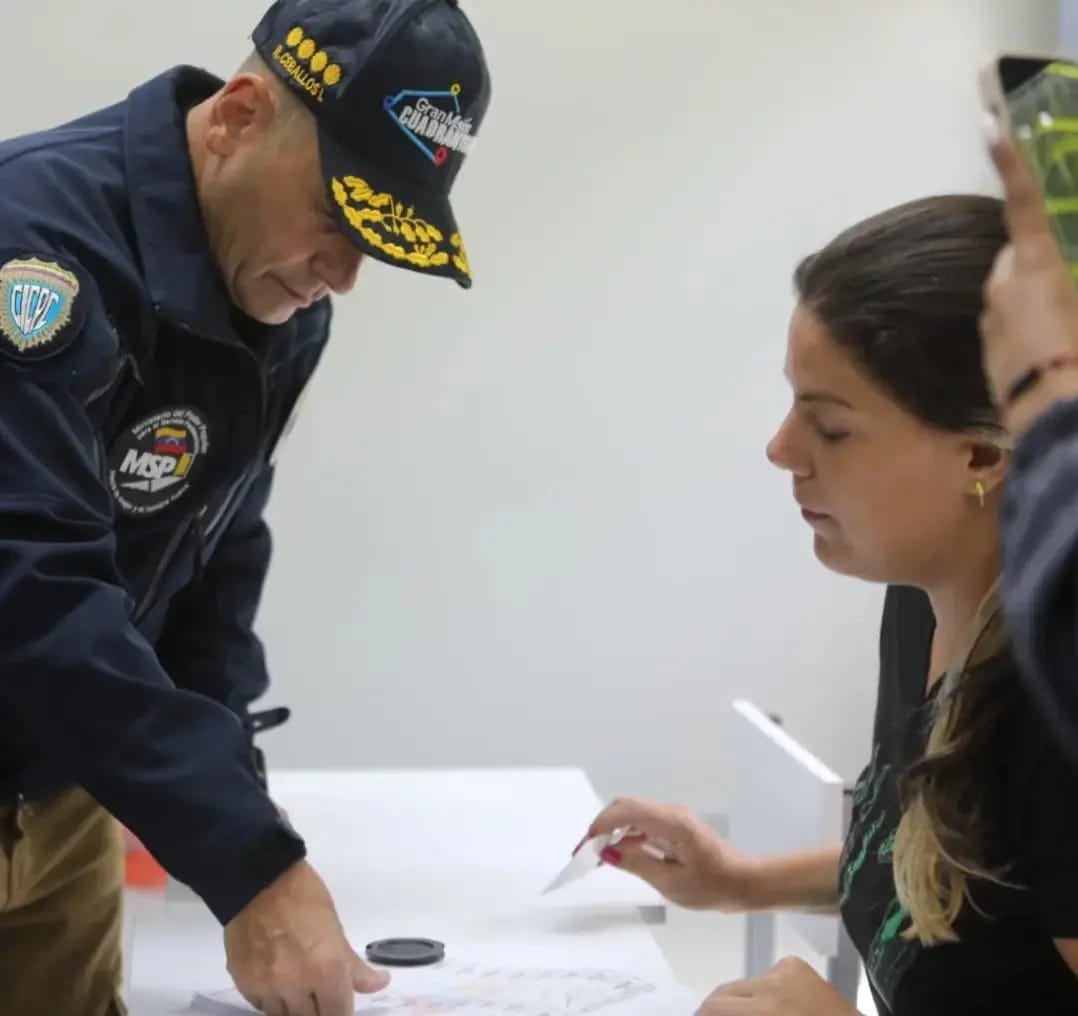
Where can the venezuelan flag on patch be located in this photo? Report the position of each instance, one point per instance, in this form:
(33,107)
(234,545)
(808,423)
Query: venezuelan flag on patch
(170,441)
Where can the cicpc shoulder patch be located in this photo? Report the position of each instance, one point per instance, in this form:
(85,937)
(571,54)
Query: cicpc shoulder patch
(41,310)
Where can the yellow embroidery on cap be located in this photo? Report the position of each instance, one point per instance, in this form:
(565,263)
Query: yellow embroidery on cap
(384,223)
(460,259)
(306,51)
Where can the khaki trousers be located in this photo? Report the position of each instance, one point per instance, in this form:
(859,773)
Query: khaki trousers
(61,908)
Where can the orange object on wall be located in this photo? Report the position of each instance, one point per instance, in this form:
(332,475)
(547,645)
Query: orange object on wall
(141,870)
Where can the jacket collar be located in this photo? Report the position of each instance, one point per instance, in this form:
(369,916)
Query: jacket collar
(177,266)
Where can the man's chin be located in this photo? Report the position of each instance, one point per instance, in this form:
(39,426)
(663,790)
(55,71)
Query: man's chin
(276,317)
(268,312)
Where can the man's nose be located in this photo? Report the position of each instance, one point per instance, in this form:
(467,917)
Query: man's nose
(339,268)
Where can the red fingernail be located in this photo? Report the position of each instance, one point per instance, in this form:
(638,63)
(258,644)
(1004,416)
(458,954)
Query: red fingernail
(611,856)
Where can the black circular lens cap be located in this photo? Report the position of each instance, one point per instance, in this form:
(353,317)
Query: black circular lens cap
(406,952)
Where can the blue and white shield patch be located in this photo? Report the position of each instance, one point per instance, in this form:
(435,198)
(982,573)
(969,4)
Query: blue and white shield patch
(37,304)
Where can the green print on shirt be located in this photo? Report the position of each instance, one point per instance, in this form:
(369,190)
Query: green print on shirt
(889,955)
(865,797)
(857,863)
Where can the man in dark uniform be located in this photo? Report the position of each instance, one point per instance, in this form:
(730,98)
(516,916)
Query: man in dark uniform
(164,271)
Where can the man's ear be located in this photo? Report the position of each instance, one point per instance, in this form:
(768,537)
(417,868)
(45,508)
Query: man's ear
(243,110)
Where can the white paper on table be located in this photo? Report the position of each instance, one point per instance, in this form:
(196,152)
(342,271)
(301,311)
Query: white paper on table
(478,990)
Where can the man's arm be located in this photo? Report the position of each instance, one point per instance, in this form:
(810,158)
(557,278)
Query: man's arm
(1039,591)
(80,681)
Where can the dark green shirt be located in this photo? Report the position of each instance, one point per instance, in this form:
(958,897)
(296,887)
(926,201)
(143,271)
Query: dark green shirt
(1006,962)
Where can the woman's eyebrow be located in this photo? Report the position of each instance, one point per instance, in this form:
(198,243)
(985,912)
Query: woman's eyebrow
(823,397)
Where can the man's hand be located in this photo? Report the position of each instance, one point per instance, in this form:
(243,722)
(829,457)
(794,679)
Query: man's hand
(288,954)
(790,988)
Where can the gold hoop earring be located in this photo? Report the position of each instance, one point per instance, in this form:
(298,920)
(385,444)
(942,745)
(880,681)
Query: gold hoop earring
(979,488)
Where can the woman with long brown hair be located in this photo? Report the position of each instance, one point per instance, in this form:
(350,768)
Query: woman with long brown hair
(958,881)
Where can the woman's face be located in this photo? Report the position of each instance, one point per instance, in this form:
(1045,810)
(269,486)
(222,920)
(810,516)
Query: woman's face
(889,499)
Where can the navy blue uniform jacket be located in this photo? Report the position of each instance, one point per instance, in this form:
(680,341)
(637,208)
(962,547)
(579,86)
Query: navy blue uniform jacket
(139,414)
(1039,590)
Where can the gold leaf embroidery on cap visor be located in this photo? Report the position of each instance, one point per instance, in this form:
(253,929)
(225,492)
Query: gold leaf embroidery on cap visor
(395,230)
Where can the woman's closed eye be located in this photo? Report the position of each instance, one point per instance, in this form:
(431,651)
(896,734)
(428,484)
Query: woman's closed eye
(829,435)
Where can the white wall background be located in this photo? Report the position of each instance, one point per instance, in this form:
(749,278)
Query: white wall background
(534,523)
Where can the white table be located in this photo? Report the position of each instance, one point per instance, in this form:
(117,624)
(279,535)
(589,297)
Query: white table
(457,855)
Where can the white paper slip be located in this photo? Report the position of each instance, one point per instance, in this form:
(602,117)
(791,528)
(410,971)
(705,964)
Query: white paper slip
(478,990)
(588,857)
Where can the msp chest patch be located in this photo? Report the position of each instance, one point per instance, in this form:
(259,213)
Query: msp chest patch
(40,308)
(153,463)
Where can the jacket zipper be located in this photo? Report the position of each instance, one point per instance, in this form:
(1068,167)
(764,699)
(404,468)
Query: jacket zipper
(226,504)
(194,522)
(263,410)
(200,547)
(144,604)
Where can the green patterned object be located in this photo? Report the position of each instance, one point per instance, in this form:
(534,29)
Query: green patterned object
(1044,121)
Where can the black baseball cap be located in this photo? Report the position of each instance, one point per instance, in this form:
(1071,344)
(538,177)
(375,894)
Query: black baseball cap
(399,89)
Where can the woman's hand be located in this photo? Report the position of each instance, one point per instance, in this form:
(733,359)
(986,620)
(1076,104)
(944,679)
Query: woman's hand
(1031,302)
(701,870)
(790,988)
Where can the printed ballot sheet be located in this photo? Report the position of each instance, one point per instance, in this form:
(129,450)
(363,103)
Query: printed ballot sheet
(477,990)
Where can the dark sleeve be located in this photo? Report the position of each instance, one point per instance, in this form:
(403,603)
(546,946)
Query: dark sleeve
(887,704)
(1044,809)
(208,643)
(79,680)
(905,644)
(1039,530)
